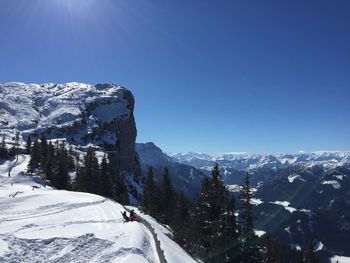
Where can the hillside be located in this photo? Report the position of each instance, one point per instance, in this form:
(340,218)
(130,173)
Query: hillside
(44,225)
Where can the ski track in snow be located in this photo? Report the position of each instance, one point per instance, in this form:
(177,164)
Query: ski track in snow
(46,225)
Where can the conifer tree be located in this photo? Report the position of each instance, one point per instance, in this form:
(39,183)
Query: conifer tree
(150,201)
(3,149)
(80,178)
(106,188)
(202,215)
(49,165)
(167,198)
(91,171)
(14,150)
(120,190)
(43,151)
(28,145)
(60,176)
(250,250)
(181,220)
(216,221)
(34,157)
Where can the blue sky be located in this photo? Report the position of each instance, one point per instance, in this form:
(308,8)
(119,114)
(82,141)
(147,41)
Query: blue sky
(210,76)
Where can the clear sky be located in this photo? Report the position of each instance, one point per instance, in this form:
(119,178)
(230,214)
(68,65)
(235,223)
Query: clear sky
(210,76)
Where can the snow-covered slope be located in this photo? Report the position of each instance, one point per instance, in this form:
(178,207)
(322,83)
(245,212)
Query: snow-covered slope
(47,225)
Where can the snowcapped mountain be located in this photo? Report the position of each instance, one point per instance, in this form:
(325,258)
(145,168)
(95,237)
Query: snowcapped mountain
(41,224)
(245,161)
(79,113)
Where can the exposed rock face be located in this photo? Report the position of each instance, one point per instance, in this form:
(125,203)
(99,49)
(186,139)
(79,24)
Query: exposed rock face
(79,113)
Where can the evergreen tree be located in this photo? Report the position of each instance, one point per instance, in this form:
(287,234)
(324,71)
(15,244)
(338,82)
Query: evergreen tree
(80,178)
(310,255)
(91,170)
(14,150)
(106,188)
(60,175)
(250,250)
(150,201)
(43,151)
(181,220)
(121,192)
(49,165)
(215,220)
(35,157)
(202,215)
(3,149)
(167,198)
(28,145)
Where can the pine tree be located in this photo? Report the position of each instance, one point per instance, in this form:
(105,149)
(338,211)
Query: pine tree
(250,250)
(14,150)
(120,190)
(215,220)
(91,171)
(181,220)
(3,149)
(167,198)
(28,145)
(60,175)
(269,253)
(202,215)
(106,188)
(150,201)
(310,255)
(80,178)
(43,151)
(34,158)
(49,165)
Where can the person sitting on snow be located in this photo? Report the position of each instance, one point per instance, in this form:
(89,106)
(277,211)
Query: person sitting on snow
(126,218)
(132,215)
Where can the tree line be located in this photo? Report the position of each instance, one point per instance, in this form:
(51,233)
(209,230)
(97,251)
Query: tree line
(211,228)
(9,152)
(62,167)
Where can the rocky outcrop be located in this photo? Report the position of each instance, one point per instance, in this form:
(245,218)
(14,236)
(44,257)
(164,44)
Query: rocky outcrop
(82,114)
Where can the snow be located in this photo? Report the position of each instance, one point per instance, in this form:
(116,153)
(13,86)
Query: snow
(256,201)
(235,188)
(109,112)
(333,183)
(340,259)
(259,233)
(4,248)
(173,252)
(319,246)
(340,176)
(47,225)
(30,108)
(286,206)
(292,177)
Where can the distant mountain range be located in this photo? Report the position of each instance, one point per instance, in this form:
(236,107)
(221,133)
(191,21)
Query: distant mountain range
(244,161)
(302,199)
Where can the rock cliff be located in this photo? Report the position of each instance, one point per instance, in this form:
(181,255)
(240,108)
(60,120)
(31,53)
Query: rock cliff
(82,114)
